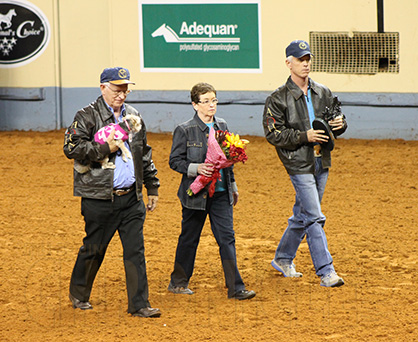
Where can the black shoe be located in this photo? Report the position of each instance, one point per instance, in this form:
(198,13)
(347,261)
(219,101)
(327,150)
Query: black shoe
(78,304)
(147,312)
(243,294)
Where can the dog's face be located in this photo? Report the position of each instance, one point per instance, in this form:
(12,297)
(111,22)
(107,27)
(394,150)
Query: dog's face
(134,122)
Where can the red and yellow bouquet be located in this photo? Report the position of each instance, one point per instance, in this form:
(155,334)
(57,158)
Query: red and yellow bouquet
(224,150)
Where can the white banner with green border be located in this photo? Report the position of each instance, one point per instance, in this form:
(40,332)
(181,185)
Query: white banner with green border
(200,36)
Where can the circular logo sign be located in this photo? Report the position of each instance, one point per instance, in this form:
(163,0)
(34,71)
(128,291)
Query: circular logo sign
(24,33)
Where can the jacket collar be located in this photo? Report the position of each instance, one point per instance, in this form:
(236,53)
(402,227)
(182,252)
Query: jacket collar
(203,126)
(104,110)
(296,91)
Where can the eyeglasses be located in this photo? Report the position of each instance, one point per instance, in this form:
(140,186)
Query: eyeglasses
(207,102)
(117,93)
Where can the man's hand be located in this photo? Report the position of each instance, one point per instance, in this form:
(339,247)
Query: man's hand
(111,141)
(337,123)
(235,196)
(317,136)
(152,203)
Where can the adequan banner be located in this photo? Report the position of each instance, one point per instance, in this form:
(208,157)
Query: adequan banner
(200,36)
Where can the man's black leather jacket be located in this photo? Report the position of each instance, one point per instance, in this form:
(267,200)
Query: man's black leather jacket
(79,145)
(286,122)
(190,144)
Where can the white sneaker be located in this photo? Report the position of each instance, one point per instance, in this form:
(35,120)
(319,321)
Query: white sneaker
(332,280)
(286,269)
(179,289)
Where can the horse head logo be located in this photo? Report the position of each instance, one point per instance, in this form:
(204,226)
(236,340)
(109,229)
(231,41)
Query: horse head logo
(7,18)
(167,32)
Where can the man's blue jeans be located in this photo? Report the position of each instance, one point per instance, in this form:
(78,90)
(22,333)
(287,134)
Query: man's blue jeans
(308,220)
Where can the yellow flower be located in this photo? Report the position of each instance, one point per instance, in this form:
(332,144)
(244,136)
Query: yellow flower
(234,139)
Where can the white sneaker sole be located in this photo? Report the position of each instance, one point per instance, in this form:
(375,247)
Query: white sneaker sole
(277,268)
(338,283)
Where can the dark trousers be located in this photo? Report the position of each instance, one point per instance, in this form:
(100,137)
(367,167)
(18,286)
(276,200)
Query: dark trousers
(103,217)
(221,221)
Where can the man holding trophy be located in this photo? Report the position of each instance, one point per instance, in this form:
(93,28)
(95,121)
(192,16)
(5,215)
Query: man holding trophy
(301,119)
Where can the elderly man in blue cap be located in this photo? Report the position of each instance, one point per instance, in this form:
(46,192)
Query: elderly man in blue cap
(287,120)
(111,199)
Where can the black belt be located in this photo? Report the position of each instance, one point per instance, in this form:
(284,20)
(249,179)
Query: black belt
(121,192)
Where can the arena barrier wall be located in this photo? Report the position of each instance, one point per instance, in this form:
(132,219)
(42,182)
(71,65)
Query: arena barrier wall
(369,115)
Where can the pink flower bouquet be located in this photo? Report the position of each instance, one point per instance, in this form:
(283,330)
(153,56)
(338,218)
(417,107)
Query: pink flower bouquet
(224,150)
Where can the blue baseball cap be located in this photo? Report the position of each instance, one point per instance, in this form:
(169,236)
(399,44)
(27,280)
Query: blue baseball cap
(116,76)
(298,48)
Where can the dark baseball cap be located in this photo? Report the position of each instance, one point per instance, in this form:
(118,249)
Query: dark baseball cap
(298,48)
(116,76)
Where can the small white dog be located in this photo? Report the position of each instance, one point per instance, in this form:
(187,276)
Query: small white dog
(123,130)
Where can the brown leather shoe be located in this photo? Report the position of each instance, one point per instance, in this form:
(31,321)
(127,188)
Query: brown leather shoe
(78,304)
(147,312)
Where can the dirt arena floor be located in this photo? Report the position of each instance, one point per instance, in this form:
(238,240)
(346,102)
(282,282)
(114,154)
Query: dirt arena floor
(371,204)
